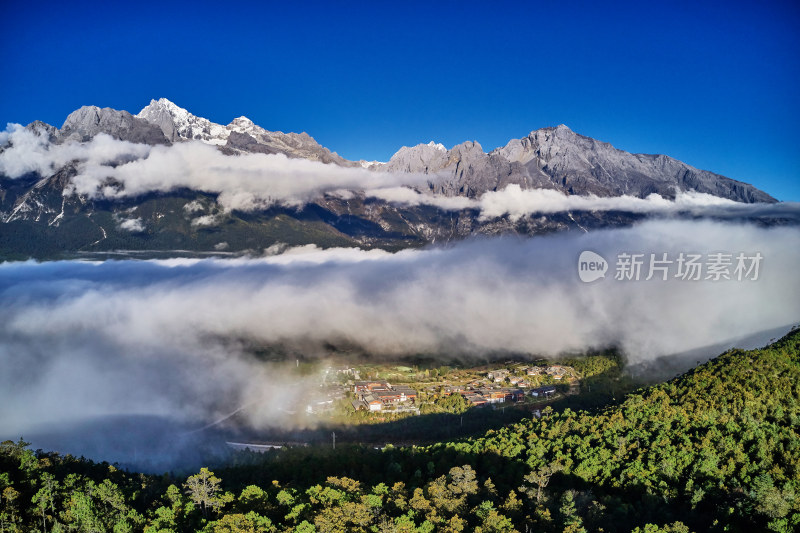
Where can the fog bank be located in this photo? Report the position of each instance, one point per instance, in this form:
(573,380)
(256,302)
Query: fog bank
(170,338)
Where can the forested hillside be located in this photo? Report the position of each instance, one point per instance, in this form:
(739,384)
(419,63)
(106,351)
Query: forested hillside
(716,449)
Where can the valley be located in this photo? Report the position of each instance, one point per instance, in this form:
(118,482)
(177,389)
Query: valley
(324,267)
(692,451)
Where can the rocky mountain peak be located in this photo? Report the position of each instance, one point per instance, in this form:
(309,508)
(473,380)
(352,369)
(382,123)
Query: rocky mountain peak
(551,157)
(168,104)
(43,129)
(242,122)
(245,125)
(178,124)
(84,123)
(161,105)
(164,106)
(84,116)
(468,149)
(422,158)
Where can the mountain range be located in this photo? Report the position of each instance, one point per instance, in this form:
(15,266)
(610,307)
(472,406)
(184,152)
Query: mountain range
(42,216)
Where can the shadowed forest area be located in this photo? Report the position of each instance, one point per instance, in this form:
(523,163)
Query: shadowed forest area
(715,449)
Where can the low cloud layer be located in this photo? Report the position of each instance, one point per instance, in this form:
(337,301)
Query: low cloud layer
(26,151)
(516,203)
(134,225)
(245,182)
(170,338)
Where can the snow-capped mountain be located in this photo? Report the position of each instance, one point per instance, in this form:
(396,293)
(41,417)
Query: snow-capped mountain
(548,158)
(241,135)
(177,123)
(42,214)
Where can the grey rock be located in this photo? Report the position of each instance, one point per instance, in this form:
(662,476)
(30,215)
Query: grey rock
(297,145)
(243,142)
(43,129)
(161,117)
(240,136)
(558,158)
(177,124)
(83,124)
(553,158)
(582,165)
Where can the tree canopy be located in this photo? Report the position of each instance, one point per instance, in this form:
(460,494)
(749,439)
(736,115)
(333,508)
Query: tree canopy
(716,449)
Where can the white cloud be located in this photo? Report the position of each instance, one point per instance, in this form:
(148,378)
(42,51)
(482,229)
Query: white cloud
(516,203)
(29,152)
(206,220)
(170,336)
(250,182)
(407,196)
(134,225)
(245,182)
(193,207)
(26,151)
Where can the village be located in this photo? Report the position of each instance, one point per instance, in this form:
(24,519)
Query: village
(382,390)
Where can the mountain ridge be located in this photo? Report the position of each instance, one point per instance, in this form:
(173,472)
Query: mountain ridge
(42,216)
(550,157)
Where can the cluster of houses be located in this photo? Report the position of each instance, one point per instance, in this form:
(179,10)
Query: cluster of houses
(380,395)
(486,396)
(477,397)
(347,371)
(543,391)
(500,376)
(498,386)
(557,372)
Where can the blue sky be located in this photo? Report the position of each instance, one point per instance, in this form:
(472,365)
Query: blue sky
(714,84)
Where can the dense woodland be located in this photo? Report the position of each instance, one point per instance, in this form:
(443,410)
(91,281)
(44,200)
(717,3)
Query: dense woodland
(716,449)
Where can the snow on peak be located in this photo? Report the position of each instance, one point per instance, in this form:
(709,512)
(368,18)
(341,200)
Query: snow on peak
(371,164)
(438,146)
(178,123)
(162,104)
(168,104)
(245,125)
(175,121)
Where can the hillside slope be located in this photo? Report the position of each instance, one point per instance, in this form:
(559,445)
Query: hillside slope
(716,449)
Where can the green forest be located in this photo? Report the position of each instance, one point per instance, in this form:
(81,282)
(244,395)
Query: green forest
(716,449)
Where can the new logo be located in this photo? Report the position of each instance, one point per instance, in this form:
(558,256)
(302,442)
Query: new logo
(591,266)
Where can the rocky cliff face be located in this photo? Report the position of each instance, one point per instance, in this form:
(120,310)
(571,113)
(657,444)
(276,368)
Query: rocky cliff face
(579,163)
(549,158)
(40,217)
(558,158)
(83,124)
(241,135)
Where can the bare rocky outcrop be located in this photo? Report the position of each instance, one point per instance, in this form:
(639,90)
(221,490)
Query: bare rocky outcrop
(558,158)
(84,123)
(241,135)
(551,158)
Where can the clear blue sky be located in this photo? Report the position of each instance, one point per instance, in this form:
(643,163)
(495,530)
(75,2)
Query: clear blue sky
(714,84)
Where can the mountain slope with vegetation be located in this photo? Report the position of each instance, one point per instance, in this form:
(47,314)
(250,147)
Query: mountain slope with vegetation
(716,449)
